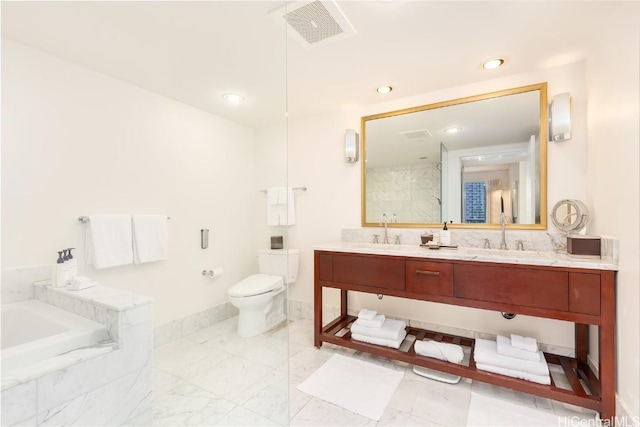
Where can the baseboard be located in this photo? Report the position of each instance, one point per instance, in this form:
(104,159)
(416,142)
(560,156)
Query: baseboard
(187,325)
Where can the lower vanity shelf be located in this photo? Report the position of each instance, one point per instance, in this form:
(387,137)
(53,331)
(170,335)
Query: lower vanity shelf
(337,332)
(582,296)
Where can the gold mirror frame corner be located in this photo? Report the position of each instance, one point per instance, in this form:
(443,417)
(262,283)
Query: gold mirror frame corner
(542,87)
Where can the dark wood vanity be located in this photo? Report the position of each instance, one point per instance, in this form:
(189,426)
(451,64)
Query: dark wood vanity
(584,296)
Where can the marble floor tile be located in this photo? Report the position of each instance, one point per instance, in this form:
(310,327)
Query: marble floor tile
(213,377)
(231,377)
(176,402)
(394,418)
(187,359)
(432,400)
(320,413)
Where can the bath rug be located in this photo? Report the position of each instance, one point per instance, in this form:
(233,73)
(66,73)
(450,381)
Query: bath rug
(360,387)
(496,411)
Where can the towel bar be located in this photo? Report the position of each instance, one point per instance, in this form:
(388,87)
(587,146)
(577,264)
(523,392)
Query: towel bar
(304,188)
(84,219)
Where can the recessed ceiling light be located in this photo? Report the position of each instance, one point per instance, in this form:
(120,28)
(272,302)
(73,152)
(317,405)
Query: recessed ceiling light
(384,89)
(492,64)
(233,98)
(453,130)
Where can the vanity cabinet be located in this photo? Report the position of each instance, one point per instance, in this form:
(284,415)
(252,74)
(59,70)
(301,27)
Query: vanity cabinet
(583,296)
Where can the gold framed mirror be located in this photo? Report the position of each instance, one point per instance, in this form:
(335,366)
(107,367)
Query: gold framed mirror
(466,160)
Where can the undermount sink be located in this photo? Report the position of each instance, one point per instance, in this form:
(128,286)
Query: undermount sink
(507,253)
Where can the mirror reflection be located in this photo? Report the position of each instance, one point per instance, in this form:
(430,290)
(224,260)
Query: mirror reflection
(467,161)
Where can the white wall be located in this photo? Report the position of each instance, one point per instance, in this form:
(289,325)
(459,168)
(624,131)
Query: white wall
(613,181)
(316,159)
(76,142)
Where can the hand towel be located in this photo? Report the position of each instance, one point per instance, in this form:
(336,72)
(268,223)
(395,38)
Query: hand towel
(273,195)
(440,350)
(381,341)
(273,206)
(291,208)
(391,329)
(377,322)
(540,379)
(150,238)
(524,343)
(109,241)
(486,353)
(367,314)
(280,206)
(505,348)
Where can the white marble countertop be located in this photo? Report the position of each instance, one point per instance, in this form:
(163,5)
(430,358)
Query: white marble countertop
(475,254)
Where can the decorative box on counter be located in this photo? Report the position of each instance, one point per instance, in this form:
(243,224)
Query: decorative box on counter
(583,245)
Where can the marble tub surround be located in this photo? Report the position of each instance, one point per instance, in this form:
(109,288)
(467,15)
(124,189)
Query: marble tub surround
(104,384)
(187,325)
(17,283)
(111,307)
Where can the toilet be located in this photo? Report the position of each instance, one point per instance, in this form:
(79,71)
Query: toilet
(260,298)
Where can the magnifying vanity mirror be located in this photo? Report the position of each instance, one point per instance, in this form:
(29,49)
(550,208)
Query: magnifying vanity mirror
(465,160)
(570,216)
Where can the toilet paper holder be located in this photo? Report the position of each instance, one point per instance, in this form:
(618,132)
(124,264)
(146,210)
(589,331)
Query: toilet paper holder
(212,273)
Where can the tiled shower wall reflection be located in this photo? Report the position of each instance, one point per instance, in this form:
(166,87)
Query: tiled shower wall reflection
(412,192)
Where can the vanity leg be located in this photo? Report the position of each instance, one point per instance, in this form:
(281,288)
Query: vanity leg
(582,342)
(317,316)
(607,347)
(343,303)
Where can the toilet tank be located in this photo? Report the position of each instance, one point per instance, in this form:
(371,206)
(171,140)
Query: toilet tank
(281,262)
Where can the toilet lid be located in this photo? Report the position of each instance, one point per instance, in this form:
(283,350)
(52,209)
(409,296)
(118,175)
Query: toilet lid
(255,285)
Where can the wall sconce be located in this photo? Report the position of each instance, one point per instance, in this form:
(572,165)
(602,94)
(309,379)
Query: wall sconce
(560,118)
(351,146)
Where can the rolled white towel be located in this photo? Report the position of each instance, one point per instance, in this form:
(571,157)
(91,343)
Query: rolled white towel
(380,341)
(391,329)
(506,349)
(377,322)
(440,350)
(540,379)
(367,314)
(486,353)
(524,343)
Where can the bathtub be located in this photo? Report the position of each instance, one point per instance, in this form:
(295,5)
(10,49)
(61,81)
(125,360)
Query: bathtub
(33,331)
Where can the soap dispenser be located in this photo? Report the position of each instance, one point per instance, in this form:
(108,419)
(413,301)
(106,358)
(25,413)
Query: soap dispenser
(72,267)
(59,270)
(445,236)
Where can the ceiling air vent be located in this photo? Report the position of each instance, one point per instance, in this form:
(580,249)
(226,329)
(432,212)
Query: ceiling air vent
(313,23)
(416,134)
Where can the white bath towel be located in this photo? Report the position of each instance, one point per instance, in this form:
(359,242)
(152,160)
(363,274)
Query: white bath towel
(150,238)
(505,348)
(381,341)
(391,329)
(109,241)
(280,206)
(540,379)
(290,218)
(440,350)
(486,353)
(377,321)
(367,314)
(524,343)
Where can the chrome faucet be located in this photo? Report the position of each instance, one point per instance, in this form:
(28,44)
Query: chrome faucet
(383,221)
(503,224)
